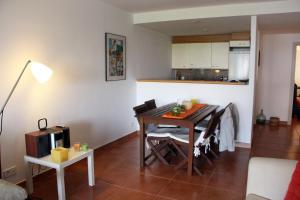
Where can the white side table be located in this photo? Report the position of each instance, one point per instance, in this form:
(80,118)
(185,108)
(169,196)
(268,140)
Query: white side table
(74,156)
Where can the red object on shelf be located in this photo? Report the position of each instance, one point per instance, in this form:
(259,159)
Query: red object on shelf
(187,113)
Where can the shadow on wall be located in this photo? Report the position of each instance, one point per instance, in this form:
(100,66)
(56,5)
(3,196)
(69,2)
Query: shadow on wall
(80,131)
(80,72)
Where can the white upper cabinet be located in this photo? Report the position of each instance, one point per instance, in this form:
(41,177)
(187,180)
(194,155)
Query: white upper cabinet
(199,55)
(179,56)
(220,54)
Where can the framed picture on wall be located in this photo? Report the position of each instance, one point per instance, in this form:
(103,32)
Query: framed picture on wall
(115,57)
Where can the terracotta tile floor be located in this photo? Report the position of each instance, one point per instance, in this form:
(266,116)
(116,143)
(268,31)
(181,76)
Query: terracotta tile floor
(281,142)
(118,175)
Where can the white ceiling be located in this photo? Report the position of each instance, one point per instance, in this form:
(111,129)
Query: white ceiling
(202,26)
(136,6)
(287,22)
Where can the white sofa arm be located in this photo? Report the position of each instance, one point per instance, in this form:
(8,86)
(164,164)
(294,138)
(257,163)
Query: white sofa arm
(269,177)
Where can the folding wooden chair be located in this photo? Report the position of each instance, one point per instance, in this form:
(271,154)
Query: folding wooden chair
(201,144)
(203,126)
(151,104)
(157,139)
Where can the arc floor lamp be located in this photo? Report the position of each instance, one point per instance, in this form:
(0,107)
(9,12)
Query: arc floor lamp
(41,72)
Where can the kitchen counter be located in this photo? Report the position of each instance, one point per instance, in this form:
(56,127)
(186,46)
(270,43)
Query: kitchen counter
(192,81)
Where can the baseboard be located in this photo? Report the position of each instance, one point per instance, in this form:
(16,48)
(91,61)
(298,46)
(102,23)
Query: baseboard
(115,142)
(118,141)
(243,145)
(281,123)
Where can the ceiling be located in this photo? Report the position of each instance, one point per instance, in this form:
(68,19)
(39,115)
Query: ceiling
(287,22)
(202,26)
(136,6)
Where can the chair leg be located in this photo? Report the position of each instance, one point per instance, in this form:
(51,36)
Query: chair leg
(185,159)
(181,164)
(197,170)
(156,151)
(213,153)
(172,150)
(207,159)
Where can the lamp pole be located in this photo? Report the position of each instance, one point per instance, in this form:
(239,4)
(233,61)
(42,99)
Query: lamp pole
(11,92)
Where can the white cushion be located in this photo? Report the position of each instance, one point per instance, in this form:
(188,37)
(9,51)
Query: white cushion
(255,197)
(269,177)
(9,191)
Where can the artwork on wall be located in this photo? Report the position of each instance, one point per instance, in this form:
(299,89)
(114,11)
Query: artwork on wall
(115,53)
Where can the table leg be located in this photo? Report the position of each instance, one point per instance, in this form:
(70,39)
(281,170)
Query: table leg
(29,183)
(142,144)
(91,174)
(60,176)
(191,151)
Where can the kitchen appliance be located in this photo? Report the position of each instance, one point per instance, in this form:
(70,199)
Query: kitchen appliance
(239,61)
(39,143)
(239,43)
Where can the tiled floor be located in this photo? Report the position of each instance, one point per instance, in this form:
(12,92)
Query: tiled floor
(281,142)
(118,177)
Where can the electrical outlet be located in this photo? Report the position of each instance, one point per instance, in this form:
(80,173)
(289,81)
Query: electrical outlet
(9,172)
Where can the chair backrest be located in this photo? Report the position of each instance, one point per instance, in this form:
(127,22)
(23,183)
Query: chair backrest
(151,104)
(139,110)
(213,123)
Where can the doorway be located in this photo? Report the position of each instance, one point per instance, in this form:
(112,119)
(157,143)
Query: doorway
(295,86)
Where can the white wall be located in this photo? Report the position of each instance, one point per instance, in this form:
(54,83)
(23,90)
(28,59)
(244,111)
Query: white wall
(297,66)
(68,36)
(275,74)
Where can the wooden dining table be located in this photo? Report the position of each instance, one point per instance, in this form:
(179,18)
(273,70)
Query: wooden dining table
(154,116)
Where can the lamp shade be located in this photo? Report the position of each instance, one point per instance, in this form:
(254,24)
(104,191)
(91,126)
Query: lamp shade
(41,72)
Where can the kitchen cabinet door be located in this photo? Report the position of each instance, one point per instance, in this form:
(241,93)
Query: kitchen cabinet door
(179,56)
(199,55)
(220,54)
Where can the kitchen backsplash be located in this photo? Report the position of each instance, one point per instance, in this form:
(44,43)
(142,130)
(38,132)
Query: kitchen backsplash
(200,74)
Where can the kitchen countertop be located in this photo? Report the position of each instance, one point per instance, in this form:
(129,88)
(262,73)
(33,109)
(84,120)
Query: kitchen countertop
(192,81)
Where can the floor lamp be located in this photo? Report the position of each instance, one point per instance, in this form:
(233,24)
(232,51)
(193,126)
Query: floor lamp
(41,72)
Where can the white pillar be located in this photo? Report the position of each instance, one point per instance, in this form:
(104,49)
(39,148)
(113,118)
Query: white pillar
(252,68)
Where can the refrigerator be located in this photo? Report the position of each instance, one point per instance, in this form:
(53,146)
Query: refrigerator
(239,62)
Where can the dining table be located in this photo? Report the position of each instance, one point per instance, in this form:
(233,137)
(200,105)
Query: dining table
(155,116)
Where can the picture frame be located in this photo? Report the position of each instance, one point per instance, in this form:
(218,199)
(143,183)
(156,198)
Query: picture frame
(115,57)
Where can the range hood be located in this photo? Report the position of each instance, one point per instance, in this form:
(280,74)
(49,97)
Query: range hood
(239,43)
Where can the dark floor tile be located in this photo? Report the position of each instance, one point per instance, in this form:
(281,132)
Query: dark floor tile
(101,190)
(182,191)
(195,179)
(116,176)
(159,169)
(146,183)
(228,181)
(121,194)
(211,193)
